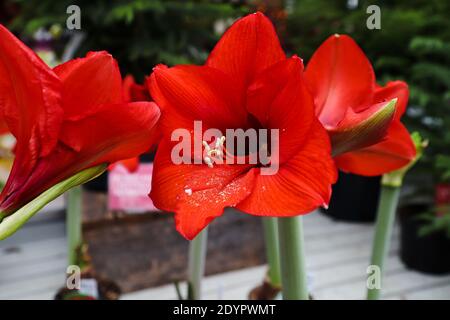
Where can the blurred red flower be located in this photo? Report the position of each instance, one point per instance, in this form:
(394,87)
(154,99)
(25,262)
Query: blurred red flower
(64,119)
(366,134)
(133,91)
(247,82)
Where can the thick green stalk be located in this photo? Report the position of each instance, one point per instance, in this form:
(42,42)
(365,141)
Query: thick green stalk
(11,223)
(391,184)
(292,259)
(196,267)
(383,231)
(272,251)
(73,223)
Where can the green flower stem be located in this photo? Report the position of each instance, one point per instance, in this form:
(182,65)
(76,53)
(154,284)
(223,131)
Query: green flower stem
(11,223)
(272,251)
(383,231)
(391,184)
(292,259)
(73,224)
(196,264)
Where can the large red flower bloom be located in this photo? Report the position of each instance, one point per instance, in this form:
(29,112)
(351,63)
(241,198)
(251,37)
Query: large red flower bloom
(66,119)
(367,137)
(247,82)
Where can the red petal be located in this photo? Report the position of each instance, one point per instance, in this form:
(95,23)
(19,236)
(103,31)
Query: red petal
(3,127)
(113,133)
(88,83)
(30,105)
(301,185)
(127,83)
(280,100)
(396,151)
(196,193)
(394,89)
(188,93)
(30,94)
(249,46)
(131,164)
(340,77)
(132,91)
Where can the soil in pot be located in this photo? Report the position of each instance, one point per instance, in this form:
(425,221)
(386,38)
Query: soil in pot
(429,253)
(354,198)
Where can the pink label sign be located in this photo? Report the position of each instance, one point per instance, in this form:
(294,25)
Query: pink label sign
(128,191)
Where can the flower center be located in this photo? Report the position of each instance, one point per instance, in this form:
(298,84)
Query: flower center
(213,154)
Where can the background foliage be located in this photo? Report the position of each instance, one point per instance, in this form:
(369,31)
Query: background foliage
(138,33)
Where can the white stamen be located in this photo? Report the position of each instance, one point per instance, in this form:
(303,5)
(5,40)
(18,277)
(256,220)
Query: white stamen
(207,147)
(219,142)
(216,152)
(208,161)
(188,191)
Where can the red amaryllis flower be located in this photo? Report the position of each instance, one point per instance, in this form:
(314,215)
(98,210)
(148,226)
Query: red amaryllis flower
(362,118)
(131,164)
(247,82)
(65,119)
(133,91)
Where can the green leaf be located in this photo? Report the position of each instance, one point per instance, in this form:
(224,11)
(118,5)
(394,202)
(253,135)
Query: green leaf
(11,223)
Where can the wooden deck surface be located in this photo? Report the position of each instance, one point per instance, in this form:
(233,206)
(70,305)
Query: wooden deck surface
(33,263)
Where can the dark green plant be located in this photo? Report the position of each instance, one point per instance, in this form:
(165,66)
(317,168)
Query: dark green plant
(139,33)
(434,222)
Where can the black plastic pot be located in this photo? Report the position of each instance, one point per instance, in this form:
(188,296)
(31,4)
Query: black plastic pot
(99,184)
(354,198)
(429,253)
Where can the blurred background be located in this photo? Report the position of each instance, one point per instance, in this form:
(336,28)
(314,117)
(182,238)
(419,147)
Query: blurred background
(413,44)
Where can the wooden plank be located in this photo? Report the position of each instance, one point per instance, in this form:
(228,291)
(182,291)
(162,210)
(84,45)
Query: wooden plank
(19,289)
(36,232)
(150,252)
(347,246)
(47,294)
(409,281)
(438,292)
(394,284)
(27,254)
(33,266)
(30,271)
(345,273)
